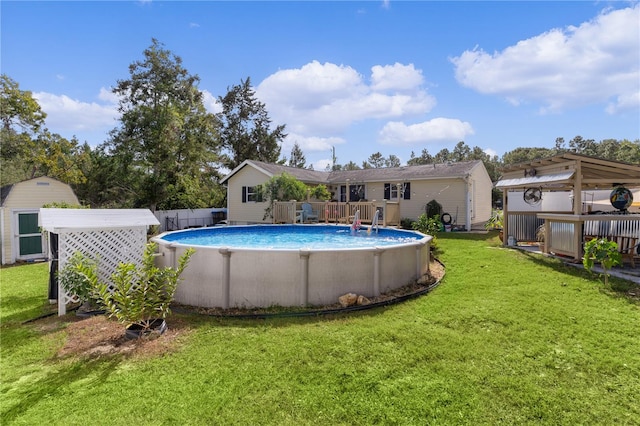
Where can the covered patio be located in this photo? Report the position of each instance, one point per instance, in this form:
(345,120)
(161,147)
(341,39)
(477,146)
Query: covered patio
(568,179)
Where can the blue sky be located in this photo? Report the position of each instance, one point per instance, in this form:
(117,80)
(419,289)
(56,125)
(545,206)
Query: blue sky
(363,77)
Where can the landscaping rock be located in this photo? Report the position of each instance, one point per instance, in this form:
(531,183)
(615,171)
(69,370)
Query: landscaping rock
(362,301)
(348,299)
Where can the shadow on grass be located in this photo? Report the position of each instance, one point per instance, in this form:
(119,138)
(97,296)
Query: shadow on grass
(617,287)
(55,382)
(25,308)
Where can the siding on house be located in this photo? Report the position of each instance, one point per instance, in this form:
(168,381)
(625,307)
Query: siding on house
(239,212)
(463,189)
(27,197)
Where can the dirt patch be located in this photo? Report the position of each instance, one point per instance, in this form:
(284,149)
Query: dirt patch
(100,336)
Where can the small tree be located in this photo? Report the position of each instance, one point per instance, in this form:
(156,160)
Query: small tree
(603,251)
(286,187)
(320,192)
(140,294)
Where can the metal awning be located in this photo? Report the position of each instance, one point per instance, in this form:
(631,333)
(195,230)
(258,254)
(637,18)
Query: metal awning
(532,181)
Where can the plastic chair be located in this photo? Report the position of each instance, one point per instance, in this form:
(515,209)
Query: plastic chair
(308,214)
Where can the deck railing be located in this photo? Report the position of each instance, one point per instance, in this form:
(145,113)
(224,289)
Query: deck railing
(564,233)
(337,212)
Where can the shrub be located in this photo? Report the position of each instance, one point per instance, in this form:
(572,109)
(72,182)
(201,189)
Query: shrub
(73,281)
(602,251)
(496,221)
(140,294)
(406,223)
(428,225)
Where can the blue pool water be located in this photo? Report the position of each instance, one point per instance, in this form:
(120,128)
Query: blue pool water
(291,237)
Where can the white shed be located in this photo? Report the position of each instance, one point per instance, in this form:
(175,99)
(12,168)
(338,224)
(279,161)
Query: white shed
(112,236)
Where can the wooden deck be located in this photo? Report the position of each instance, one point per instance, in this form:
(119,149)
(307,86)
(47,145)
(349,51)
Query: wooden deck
(337,212)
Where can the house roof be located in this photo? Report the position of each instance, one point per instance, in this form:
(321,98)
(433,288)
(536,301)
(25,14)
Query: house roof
(270,169)
(389,174)
(4,193)
(59,220)
(406,173)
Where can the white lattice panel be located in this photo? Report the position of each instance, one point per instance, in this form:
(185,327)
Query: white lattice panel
(109,247)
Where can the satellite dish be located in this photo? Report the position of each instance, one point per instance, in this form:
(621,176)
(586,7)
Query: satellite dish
(532,196)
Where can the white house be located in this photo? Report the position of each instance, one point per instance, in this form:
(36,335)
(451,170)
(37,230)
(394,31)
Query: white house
(20,204)
(462,188)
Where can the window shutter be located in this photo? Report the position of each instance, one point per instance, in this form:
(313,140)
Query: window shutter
(244,194)
(407,190)
(387,191)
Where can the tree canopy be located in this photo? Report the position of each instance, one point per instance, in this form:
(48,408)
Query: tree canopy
(297,158)
(246,128)
(28,149)
(167,143)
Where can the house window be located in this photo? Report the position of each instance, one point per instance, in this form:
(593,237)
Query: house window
(391,191)
(250,194)
(356,192)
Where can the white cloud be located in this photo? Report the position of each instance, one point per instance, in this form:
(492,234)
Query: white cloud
(597,62)
(108,96)
(321,165)
(327,98)
(210,102)
(435,130)
(66,115)
(490,152)
(310,143)
(395,77)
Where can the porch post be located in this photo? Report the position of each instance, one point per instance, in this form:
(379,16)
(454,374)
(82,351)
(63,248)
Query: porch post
(348,195)
(505,216)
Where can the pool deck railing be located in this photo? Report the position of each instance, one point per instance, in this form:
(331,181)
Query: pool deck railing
(339,212)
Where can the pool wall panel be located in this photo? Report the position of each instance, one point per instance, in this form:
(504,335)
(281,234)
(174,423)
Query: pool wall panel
(263,278)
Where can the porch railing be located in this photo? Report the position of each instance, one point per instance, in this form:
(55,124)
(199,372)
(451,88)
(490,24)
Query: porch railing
(337,212)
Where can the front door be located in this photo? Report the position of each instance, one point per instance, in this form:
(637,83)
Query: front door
(29,238)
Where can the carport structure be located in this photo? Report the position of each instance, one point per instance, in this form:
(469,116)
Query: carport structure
(564,232)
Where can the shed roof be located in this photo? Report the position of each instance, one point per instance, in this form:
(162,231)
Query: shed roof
(59,220)
(589,173)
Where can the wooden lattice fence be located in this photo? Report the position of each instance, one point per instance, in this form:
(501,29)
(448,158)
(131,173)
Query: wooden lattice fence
(109,247)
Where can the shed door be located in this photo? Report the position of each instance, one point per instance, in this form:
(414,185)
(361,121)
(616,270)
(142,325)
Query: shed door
(29,237)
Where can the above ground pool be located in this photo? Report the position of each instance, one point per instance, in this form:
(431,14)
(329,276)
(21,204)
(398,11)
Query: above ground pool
(291,237)
(291,265)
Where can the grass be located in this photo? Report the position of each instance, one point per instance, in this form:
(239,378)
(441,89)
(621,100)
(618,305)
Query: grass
(507,338)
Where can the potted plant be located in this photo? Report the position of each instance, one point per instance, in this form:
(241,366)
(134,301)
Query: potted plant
(73,281)
(140,295)
(602,251)
(496,221)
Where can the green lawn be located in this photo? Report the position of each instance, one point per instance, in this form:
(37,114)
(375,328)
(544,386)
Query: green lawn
(507,338)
